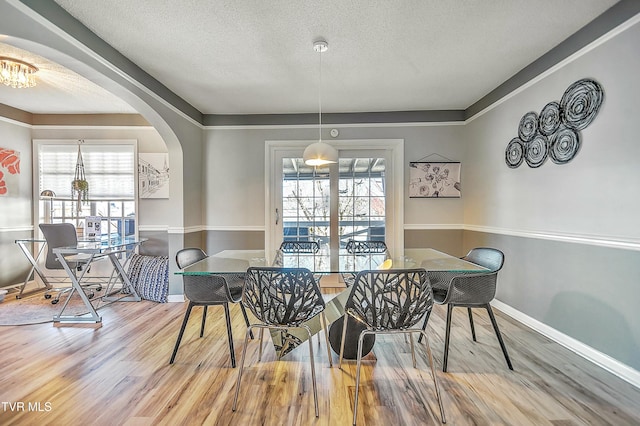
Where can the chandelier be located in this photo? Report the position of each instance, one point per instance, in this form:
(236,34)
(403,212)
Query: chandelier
(17,74)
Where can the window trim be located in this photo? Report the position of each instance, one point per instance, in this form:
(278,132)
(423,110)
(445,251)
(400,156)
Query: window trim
(37,202)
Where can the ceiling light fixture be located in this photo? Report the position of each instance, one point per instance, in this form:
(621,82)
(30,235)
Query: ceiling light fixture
(17,74)
(320,153)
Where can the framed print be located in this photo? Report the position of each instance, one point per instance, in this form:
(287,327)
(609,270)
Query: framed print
(153,175)
(434,180)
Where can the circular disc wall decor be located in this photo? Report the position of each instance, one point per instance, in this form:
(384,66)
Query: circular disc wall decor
(537,151)
(580,103)
(514,153)
(528,126)
(564,145)
(549,119)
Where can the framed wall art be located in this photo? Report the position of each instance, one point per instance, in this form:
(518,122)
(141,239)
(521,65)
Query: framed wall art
(434,180)
(153,175)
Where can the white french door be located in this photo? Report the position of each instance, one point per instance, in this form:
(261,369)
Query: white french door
(355,198)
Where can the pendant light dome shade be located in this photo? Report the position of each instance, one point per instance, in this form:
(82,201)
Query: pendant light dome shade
(319,154)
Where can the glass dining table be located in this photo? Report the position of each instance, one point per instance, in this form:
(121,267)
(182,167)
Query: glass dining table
(238,261)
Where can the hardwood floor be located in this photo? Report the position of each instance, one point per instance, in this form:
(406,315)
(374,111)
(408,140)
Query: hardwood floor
(119,373)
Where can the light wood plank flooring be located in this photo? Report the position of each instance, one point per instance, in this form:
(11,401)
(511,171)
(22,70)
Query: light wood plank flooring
(119,374)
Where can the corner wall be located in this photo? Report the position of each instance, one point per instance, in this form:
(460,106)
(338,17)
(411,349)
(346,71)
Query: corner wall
(570,232)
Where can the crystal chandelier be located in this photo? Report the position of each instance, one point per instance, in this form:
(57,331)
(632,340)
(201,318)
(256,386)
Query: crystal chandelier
(17,74)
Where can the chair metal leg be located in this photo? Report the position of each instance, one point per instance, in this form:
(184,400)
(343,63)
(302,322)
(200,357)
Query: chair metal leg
(246,318)
(313,371)
(359,363)
(447,336)
(413,349)
(473,330)
(261,339)
(244,352)
(230,335)
(323,320)
(344,334)
(184,325)
(424,325)
(204,320)
(497,330)
(433,374)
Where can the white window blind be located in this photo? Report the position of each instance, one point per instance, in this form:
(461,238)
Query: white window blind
(109,169)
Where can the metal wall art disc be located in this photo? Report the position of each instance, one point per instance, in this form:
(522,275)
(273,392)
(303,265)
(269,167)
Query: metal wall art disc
(515,153)
(564,145)
(580,103)
(528,126)
(537,151)
(549,119)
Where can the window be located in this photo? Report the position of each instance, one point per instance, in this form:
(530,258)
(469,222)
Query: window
(109,169)
(358,198)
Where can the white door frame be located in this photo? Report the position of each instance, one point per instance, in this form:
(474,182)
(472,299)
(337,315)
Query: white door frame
(395,180)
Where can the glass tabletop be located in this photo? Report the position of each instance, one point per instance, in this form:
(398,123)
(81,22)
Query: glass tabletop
(237,261)
(101,245)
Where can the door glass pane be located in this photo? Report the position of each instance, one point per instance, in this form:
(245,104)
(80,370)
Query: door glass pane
(306,196)
(305,201)
(361,202)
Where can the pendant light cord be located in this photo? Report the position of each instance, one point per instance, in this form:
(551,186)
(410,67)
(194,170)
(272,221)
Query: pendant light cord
(320,101)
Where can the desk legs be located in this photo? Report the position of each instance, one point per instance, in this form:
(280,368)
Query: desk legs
(127,287)
(34,267)
(92,315)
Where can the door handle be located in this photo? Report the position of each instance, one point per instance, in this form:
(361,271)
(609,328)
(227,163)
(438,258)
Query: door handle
(277,216)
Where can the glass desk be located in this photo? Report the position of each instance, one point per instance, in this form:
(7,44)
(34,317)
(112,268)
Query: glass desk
(238,261)
(90,251)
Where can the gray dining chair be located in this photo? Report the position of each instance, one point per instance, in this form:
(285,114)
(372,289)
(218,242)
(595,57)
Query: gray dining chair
(64,235)
(473,290)
(362,247)
(390,302)
(208,290)
(282,299)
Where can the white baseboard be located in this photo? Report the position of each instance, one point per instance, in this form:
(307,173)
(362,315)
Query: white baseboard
(175,298)
(614,366)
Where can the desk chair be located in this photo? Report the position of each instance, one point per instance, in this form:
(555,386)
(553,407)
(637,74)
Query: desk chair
(63,235)
(390,302)
(475,290)
(281,299)
(207,290)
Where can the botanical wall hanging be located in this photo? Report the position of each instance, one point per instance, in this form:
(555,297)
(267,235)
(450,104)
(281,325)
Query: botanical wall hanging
(434,180)
(555,132)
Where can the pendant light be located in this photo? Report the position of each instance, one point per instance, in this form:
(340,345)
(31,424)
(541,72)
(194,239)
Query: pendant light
(320,153)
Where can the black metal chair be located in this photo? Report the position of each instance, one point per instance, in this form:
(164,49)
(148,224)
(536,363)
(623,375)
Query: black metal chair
(300,247)
(208,290)
(390,302)
(281,299)
(65,235)
(362,247)
(475,290)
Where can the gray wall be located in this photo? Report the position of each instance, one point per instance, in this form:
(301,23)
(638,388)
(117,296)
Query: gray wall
(588,289)
(15,207)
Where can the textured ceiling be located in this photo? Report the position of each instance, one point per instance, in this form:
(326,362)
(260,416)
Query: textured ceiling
(246,57)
